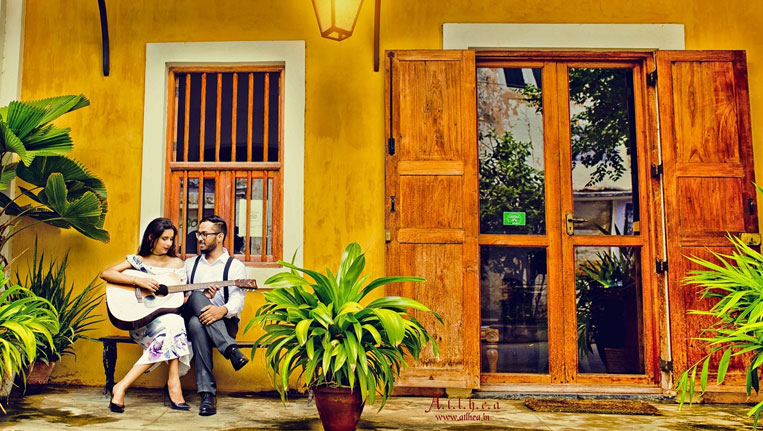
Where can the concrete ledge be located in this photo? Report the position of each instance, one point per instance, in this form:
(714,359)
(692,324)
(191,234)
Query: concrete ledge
(571,389)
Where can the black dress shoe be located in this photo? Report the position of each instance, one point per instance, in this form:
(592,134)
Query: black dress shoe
(116,408)
(237,359)
(208,405)
(173,406)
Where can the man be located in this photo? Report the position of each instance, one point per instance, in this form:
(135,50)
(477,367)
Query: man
(212,315)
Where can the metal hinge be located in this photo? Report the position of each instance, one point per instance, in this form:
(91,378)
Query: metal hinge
(387,235)
(391,146)
(656,170)
(751,239)
(392,204)
(651,78)
(666,366)
(660,266)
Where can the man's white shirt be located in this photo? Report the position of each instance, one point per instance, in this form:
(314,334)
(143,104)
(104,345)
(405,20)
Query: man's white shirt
(213,271)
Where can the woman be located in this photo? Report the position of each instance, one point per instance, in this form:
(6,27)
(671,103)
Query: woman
(164,339)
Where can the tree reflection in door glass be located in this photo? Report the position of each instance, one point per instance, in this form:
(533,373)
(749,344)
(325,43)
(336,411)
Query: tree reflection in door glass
(609,310)
(511,151)
(603,139)
(514,310)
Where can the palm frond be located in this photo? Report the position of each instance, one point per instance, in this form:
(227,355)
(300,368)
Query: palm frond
(47,279)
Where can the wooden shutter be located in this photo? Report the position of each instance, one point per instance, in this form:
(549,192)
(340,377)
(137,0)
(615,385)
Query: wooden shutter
(708,175)
(433,223)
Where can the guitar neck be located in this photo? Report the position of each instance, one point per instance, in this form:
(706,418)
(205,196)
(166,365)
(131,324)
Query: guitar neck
(197,286)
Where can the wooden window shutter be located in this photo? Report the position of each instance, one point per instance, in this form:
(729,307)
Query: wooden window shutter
(432,205)
(708,177)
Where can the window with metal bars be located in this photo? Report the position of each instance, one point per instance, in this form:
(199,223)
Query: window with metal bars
(224,157)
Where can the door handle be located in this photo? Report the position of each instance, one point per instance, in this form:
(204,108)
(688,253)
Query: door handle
(570,221)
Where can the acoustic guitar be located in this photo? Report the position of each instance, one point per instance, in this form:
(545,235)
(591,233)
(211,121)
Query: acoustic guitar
(132,307)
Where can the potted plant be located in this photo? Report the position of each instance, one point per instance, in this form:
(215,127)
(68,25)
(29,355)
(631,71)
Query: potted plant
(75,316)
(24,318)
(604,288)
(736,282)
(58,190)
(346,352)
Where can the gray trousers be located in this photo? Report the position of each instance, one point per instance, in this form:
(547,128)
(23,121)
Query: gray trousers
(220,334)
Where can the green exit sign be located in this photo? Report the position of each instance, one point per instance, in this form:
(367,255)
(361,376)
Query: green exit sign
(513,218)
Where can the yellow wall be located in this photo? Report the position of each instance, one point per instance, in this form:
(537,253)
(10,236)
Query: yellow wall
(344,118)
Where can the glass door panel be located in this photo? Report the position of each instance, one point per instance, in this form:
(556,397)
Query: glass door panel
(604,156)
(514,294)
(609,310)
(600,197)
(511,165)
(514,310)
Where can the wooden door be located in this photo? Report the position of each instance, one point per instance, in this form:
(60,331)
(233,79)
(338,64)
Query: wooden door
(565,136)
(708,176)
(609,322)
(520,260)
(432,205)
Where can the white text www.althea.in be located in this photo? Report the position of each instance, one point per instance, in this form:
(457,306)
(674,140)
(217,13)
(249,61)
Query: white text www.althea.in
(464,417)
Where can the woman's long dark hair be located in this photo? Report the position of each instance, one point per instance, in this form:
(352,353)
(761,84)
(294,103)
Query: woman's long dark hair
(153,232)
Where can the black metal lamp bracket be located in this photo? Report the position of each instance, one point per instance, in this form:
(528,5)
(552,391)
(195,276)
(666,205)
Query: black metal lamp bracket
(104,36)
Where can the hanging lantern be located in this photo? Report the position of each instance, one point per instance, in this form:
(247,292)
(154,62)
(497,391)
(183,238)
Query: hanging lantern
(337,18)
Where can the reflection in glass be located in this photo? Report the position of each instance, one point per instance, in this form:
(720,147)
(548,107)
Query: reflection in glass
(192,219)
(609,304)
(510,114)
(514,310)
(255,212)
(209,198)
(269,234)
(253,200)
(604,165)
(180,240)
(240,216)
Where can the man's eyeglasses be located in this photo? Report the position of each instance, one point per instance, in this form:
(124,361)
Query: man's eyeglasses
(204,235)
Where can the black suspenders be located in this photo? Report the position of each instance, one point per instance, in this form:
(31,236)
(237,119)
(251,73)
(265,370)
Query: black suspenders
(225,274)
(193,271)
(225,277)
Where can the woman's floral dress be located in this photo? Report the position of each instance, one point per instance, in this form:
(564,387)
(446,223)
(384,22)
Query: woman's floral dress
(164,338)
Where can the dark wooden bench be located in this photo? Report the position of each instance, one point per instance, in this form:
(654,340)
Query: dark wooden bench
(110,356)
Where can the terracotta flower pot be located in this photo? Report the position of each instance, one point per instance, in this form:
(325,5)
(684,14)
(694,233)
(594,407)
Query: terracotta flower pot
(339,408)
(40,373)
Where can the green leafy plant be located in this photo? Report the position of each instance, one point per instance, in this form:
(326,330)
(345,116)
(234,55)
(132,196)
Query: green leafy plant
(509,183)
(736,282)
(75,312)
(330,337)
(609,274)
(604,123)
(62,192)
(24,318)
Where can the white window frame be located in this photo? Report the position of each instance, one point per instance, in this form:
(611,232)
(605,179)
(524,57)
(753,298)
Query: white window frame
(12,14)
(291,54)
(563,36)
